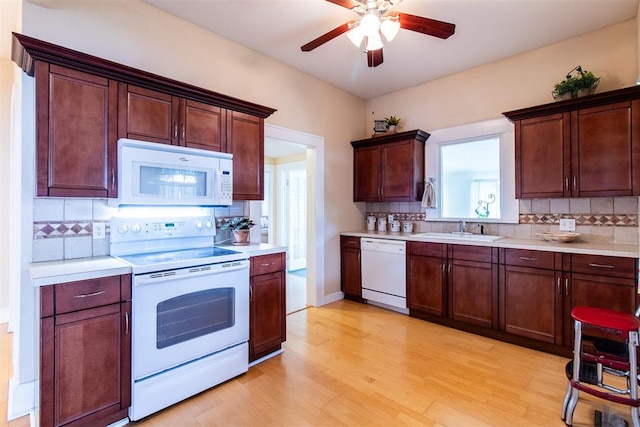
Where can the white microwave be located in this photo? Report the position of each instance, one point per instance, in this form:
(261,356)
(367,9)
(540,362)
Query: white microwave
(160,174)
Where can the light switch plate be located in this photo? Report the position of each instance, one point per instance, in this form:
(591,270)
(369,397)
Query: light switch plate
(99,230)
(390,218)
(567,224)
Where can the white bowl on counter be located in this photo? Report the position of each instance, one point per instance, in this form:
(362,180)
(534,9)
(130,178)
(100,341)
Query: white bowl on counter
(560,237)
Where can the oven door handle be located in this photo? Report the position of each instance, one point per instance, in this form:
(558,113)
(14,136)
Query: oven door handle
(204,270)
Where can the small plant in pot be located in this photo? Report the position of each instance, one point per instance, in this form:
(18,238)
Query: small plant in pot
(240,227)
(392,123)
(583,83)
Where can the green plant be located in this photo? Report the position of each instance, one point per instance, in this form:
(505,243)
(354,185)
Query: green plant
(237,223)
(571,85)
(392,121)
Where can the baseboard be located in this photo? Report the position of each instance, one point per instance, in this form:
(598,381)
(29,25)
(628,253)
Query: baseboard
(328,299)
(21,400)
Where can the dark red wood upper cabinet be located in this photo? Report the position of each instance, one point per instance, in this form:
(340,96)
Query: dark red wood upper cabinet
(586,147)
(76,116)
(389,168)
(245,140)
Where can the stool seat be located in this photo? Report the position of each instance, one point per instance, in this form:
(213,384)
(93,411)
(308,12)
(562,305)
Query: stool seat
(602,358)
(606,319)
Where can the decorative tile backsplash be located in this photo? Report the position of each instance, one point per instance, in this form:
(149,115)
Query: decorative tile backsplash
(63,228)
(602,219)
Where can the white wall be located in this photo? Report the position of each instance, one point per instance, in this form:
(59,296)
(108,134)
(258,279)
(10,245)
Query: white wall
(520,81)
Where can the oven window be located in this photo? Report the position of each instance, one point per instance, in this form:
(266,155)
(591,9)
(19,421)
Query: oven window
(172,182)
(193,315)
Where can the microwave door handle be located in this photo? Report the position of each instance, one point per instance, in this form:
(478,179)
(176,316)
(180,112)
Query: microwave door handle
(218,184)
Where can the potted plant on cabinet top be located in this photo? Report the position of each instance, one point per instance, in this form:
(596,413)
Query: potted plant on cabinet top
(240,227)
(584,83)
(392,123)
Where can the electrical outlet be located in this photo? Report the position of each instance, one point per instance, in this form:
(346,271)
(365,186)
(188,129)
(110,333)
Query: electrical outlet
(99,230)
(567,224)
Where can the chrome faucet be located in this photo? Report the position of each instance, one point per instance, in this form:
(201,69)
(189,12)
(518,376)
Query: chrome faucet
(463,227)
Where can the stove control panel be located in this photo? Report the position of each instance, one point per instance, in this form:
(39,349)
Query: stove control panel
(135,229)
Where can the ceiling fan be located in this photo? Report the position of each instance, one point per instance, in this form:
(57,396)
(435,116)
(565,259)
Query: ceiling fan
(376,18)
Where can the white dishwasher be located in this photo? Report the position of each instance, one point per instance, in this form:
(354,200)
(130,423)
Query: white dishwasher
(384,272)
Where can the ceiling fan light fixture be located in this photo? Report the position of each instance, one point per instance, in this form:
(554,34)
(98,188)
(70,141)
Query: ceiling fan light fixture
(356,35)
(370,24)
(390,28)
(374,42)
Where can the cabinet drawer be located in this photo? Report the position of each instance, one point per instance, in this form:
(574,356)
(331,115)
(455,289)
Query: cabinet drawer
(264,264)
(427,249)
(604,265)
(350,242)
(527,258)
(470,253)
(85,294)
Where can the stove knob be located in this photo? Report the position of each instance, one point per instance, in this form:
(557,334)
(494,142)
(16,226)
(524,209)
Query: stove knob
(135,228)
(209,224)
(123,229)
(199,225)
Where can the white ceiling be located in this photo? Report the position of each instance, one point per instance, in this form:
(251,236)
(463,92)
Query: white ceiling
(486,31)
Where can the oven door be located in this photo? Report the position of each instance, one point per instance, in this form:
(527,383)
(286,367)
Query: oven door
(182,315)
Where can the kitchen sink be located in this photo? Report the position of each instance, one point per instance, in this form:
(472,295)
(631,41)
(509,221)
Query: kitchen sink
(456,235)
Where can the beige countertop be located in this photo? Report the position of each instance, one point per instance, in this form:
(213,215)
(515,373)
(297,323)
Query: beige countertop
(256,249)
(72,270)
(577,247)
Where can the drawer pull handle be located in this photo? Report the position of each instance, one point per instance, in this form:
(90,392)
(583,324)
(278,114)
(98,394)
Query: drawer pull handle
(93,294)
(526,258)
(267,264)
(600,265)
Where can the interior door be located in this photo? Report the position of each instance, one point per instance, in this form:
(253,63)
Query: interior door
(295,200)
(292,223)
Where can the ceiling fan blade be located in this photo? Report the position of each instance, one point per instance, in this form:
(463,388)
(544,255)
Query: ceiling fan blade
(374,57)
(426,26)
(327,37)
(349,4)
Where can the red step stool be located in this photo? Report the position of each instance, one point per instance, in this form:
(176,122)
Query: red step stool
(613,351)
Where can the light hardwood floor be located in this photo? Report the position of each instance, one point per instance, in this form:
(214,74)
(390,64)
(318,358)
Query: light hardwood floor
(352,364)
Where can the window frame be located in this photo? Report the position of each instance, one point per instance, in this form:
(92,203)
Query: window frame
(496,128)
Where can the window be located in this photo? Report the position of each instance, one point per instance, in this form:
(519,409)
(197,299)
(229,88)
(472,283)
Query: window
(474,170)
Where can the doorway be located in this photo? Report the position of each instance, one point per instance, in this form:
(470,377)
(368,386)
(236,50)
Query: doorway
(304,239)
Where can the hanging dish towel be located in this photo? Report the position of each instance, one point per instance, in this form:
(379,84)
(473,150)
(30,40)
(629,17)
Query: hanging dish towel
(429,195)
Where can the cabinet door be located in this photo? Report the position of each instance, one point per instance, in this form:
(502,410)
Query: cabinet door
(603,292)
(366,174)
(543,156)
(473,292)
(602,151)
(397,178)
(532,303)
(351,273)
(245,140)
(76,133)
(86,364)
(426,285)
(267,314)
(202,126)
(148,115)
